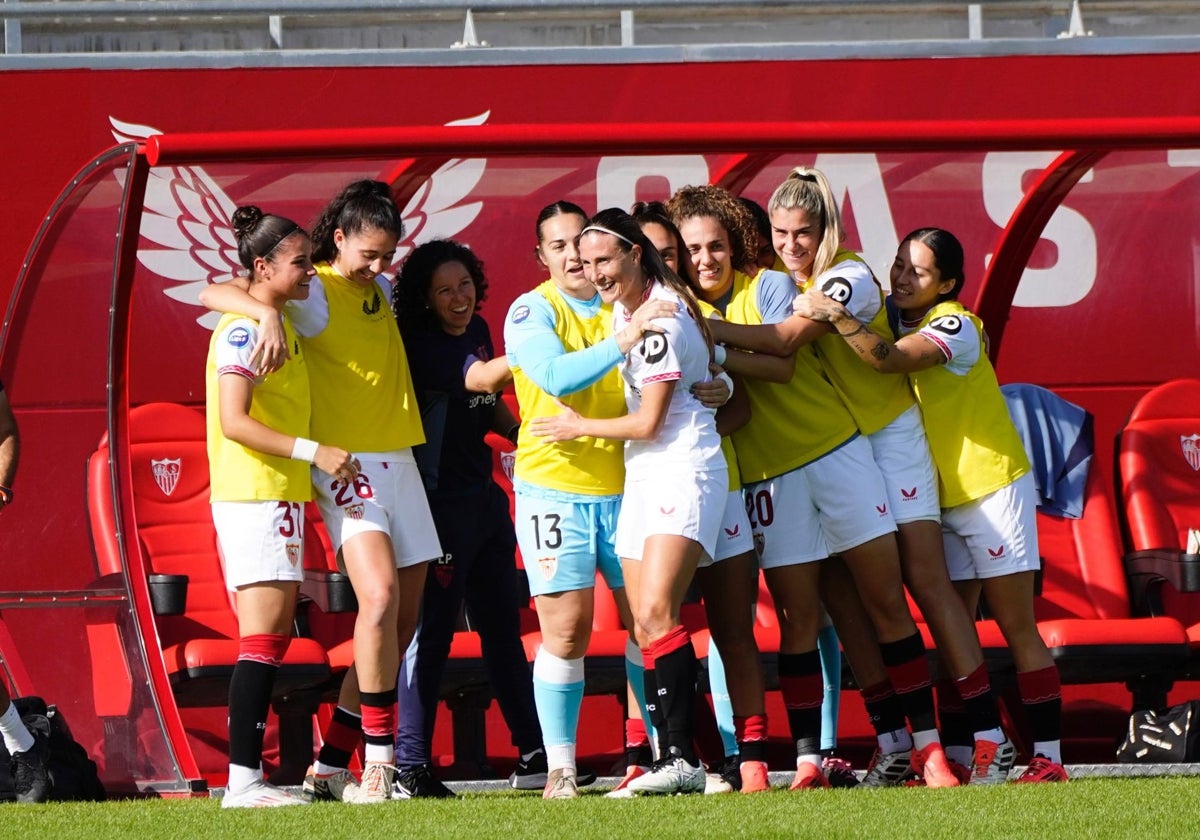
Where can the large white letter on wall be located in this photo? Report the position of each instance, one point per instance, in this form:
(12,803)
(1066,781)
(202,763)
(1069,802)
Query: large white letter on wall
(1070,279)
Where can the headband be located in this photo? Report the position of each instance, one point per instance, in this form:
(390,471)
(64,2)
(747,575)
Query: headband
(599,229)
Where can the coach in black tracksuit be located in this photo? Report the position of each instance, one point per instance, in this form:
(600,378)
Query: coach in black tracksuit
(436,296)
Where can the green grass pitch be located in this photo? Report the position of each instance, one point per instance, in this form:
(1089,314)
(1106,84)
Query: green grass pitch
(1084,809)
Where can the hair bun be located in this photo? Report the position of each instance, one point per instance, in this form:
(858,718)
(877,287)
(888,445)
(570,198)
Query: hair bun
(245,220)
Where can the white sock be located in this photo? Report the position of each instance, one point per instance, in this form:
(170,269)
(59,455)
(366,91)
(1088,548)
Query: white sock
(963,755)
(241,777)
(923,739)
(383,753)
(16,736)
(898,740)
(1050,749)
(561,757)
(813,759)
(996,736)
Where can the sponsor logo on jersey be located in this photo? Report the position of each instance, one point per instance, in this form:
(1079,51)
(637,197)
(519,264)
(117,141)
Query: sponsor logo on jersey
(520,314)
(908,495)
(238,337)
(948,324)
(1191,450)
(355,511)
(666,511)
(734,531)
(837,289)
(882,509)
(549,567)
(166,473)
(293,552)
(654,348)
(996,553)
(373,307)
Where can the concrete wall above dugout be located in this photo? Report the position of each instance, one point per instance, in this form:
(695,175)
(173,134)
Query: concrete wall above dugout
(588,24)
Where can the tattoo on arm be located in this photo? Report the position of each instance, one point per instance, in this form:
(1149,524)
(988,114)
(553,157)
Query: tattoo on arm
(862,328)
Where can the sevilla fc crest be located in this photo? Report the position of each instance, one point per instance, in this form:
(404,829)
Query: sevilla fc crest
(166,473)
(355,511)
(293,553)
(1191,449)
(549,567)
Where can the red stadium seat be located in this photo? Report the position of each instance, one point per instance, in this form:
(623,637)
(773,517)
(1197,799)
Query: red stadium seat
(1083,606)
(172,518)
(1159,459)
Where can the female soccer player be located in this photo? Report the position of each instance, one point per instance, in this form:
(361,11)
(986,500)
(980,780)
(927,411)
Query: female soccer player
(436,299)
(259,456)
(675,474)
(987,493)
(808,232)
(561,346)
(800,452)
(730,585)
(379,523)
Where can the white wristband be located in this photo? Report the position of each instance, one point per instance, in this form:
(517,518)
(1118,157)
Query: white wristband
(719,354)
(304,450)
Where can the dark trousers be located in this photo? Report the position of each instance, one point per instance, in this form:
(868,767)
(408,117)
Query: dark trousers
(478,568)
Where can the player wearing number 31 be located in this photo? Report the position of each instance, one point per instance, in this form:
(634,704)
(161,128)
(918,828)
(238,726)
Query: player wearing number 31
(259,457)
(675,474)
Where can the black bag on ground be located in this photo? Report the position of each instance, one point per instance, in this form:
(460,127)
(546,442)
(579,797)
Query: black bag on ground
(73,775)
(1166,737)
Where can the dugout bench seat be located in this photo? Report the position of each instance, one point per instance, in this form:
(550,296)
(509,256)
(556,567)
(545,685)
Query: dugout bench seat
(197,634)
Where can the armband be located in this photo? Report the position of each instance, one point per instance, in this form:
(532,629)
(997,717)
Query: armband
(304,450)
(6,494)
(719,354)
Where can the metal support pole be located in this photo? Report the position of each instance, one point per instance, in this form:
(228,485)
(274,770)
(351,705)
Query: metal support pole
(627,27)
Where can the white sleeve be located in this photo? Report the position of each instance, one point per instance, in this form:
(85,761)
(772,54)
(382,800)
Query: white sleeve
(233,346)
(310,316)
(958,340)
(852,284)
(655,358)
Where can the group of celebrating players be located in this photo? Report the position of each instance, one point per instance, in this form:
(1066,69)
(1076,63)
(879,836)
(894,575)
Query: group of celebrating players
(706,390)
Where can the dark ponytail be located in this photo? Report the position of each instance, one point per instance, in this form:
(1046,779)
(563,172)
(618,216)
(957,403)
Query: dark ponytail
(361,206)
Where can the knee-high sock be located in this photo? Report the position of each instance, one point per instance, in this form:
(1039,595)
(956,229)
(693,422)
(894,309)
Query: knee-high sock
(722,706)
(800,683)
(675,672)
(635,675)
(1041,695)
(830,650)
(379,724)
(908,670)
(558,692)
(250,696)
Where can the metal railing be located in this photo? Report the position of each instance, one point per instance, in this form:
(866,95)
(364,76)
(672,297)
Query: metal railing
(66,26)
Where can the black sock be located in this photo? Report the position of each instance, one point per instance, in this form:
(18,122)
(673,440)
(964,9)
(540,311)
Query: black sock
(676,674)
(249,699)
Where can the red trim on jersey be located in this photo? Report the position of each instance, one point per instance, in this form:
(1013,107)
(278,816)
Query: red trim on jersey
(238,369)
(941,345)
(663,377)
